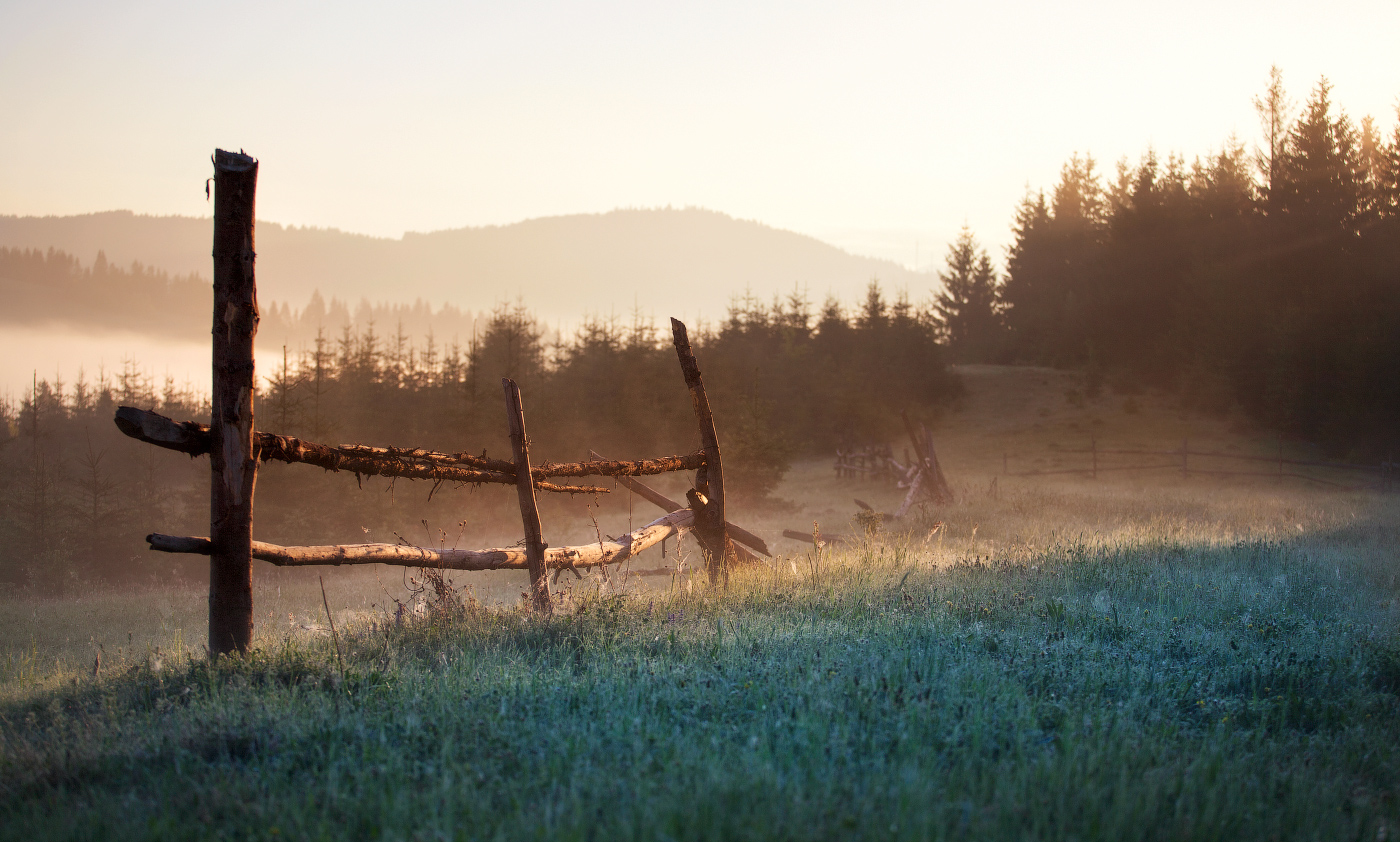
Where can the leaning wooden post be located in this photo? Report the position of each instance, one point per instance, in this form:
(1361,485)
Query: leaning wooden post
(234,465)
(915,440)
(708,501)
(529,512)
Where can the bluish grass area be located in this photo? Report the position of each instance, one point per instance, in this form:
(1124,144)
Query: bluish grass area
(1144,691)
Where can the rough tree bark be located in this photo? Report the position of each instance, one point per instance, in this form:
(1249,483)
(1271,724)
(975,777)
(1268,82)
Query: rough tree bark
(707,499)
(234,467)
(195,439)
(529,512)
(409,463)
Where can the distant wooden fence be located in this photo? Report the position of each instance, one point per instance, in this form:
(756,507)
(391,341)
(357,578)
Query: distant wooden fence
(872,462)
(235,448)
(1348,475)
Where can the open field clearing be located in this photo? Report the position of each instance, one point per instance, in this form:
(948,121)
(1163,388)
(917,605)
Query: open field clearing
(1145,657)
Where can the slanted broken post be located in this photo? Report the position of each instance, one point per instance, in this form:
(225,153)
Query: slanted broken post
(942,491)
(707,498)
(529,512)
(915,440)
(233,463)
(651,495)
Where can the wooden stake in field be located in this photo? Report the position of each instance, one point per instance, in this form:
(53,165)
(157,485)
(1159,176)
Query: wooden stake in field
(529,512)
(707,498)
(232,459)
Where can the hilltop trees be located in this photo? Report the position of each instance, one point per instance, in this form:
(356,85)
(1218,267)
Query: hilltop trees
(1277,289)
(967,310)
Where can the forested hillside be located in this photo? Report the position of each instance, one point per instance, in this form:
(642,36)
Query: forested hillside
(54,289)
(76,497)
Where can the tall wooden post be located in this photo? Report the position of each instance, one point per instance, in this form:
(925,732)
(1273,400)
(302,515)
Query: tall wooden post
(234,466)
(707,498)
(529,511)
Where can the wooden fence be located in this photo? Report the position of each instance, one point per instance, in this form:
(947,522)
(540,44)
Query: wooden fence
(235,448)
(1348,475)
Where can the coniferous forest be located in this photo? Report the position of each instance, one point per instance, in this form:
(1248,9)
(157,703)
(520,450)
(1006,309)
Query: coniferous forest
(1264,278)
(1267,279)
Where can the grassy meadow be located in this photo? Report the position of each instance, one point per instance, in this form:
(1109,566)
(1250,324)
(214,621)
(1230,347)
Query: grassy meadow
(1142,657)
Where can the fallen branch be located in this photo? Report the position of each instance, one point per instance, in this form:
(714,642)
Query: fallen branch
(508,558)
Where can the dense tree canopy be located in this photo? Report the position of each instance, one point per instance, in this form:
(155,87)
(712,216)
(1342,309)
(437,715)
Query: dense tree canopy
(1272,283)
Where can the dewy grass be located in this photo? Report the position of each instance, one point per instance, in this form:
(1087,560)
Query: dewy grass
(1109,690)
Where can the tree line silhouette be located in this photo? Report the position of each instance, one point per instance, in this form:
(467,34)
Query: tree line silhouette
(1270,281)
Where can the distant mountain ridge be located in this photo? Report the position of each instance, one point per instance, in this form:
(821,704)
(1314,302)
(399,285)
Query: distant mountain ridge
(684,262)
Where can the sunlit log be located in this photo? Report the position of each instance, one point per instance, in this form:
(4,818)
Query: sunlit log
(608,551)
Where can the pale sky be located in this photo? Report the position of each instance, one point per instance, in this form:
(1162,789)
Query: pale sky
(874,126)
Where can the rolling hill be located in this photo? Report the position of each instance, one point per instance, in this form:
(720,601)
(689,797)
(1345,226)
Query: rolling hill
(683,262)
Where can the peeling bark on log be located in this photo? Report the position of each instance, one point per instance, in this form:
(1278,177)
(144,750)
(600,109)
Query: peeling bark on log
(651,495)
(233,462)
(195,439)
(707,503)
(611,551)
(614,468)
(529,511)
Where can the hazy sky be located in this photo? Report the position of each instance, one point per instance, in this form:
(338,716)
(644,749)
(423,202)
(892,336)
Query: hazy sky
(871,125)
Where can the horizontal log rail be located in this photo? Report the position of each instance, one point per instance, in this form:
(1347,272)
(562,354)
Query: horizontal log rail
(409,463)
(593,468)
(610,551)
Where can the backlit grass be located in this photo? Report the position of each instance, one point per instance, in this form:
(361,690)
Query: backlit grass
(1130,686)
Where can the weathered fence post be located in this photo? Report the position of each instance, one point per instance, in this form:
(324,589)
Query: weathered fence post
(707,498)
(234,466)
(529,511)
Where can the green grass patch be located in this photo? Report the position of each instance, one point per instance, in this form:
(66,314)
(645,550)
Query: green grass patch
(1144,691)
